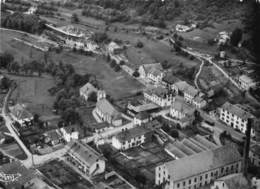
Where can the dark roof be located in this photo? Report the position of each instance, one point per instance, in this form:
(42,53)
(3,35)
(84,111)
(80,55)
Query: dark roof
(255,149)
(132,133)
(142,115)
(170,79)
(235,181)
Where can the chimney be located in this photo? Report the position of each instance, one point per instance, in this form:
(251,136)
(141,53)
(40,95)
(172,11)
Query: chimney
(247,146)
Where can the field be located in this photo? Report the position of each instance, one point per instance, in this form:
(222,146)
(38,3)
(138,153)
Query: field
(144,158)
(63,176)
(116,84)
(33,91)
(13,149)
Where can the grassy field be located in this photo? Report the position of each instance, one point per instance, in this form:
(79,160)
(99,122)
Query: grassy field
(13,149)
(117,84)
(33,91)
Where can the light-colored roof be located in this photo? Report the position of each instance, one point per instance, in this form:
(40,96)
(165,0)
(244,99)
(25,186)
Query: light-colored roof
(87,89)
(186,88)
(84,152)
(132,133)
(235,181)
(181,106)
(155,69)
(113,45)
(20,112)
(107,108)
(236,110)
(202,162)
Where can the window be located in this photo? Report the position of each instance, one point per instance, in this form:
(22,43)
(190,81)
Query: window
(178,185)
(189,181)
(195,179)
(211,174)
(183,183)
(222,169)
(200,177)
(206,176)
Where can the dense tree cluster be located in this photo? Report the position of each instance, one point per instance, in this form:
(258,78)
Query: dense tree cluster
(27,23)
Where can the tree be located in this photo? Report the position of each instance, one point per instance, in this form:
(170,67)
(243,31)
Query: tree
(74,18)
(93,97)
(113,63)
(139,44)
(236,36)
(136,73)
(174,133)
(117,68)
(5,59)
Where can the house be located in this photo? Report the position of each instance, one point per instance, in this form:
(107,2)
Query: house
(20,114)
(254,154)
(222,38)
(100,127)
(142,117)
(199,169)
(114,48)
(135,107)
(86,90)
(153,72)
(190,93)
(52,137)
(182,112)
(85,159)
(233,115)
(106,111)
(233,181)
(159,96)
(130,138)
(246,82)
(255,182)
(70,133)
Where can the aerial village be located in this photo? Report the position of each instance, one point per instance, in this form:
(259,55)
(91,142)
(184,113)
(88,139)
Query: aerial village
(90,104)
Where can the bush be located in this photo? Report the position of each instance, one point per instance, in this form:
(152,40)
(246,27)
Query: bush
(117,68)
(174,133)
(113,63)
(136,73)
(139,44)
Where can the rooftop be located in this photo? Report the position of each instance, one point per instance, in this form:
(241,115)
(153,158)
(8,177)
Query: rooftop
(88,88)
(255,149)
(202,162)
(246,79)
(180,105)
(158,91)
(236,110)
(84,152)
(107,108)
(132,133)
(187,88)
(155,69)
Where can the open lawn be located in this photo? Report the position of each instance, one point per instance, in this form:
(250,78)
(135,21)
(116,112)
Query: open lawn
(20,51)
(33,91)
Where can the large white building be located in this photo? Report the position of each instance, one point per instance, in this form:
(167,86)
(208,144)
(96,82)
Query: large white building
(235,116)
(85,159)
(246,82)
(200,169)
(159,96)
(20,114)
